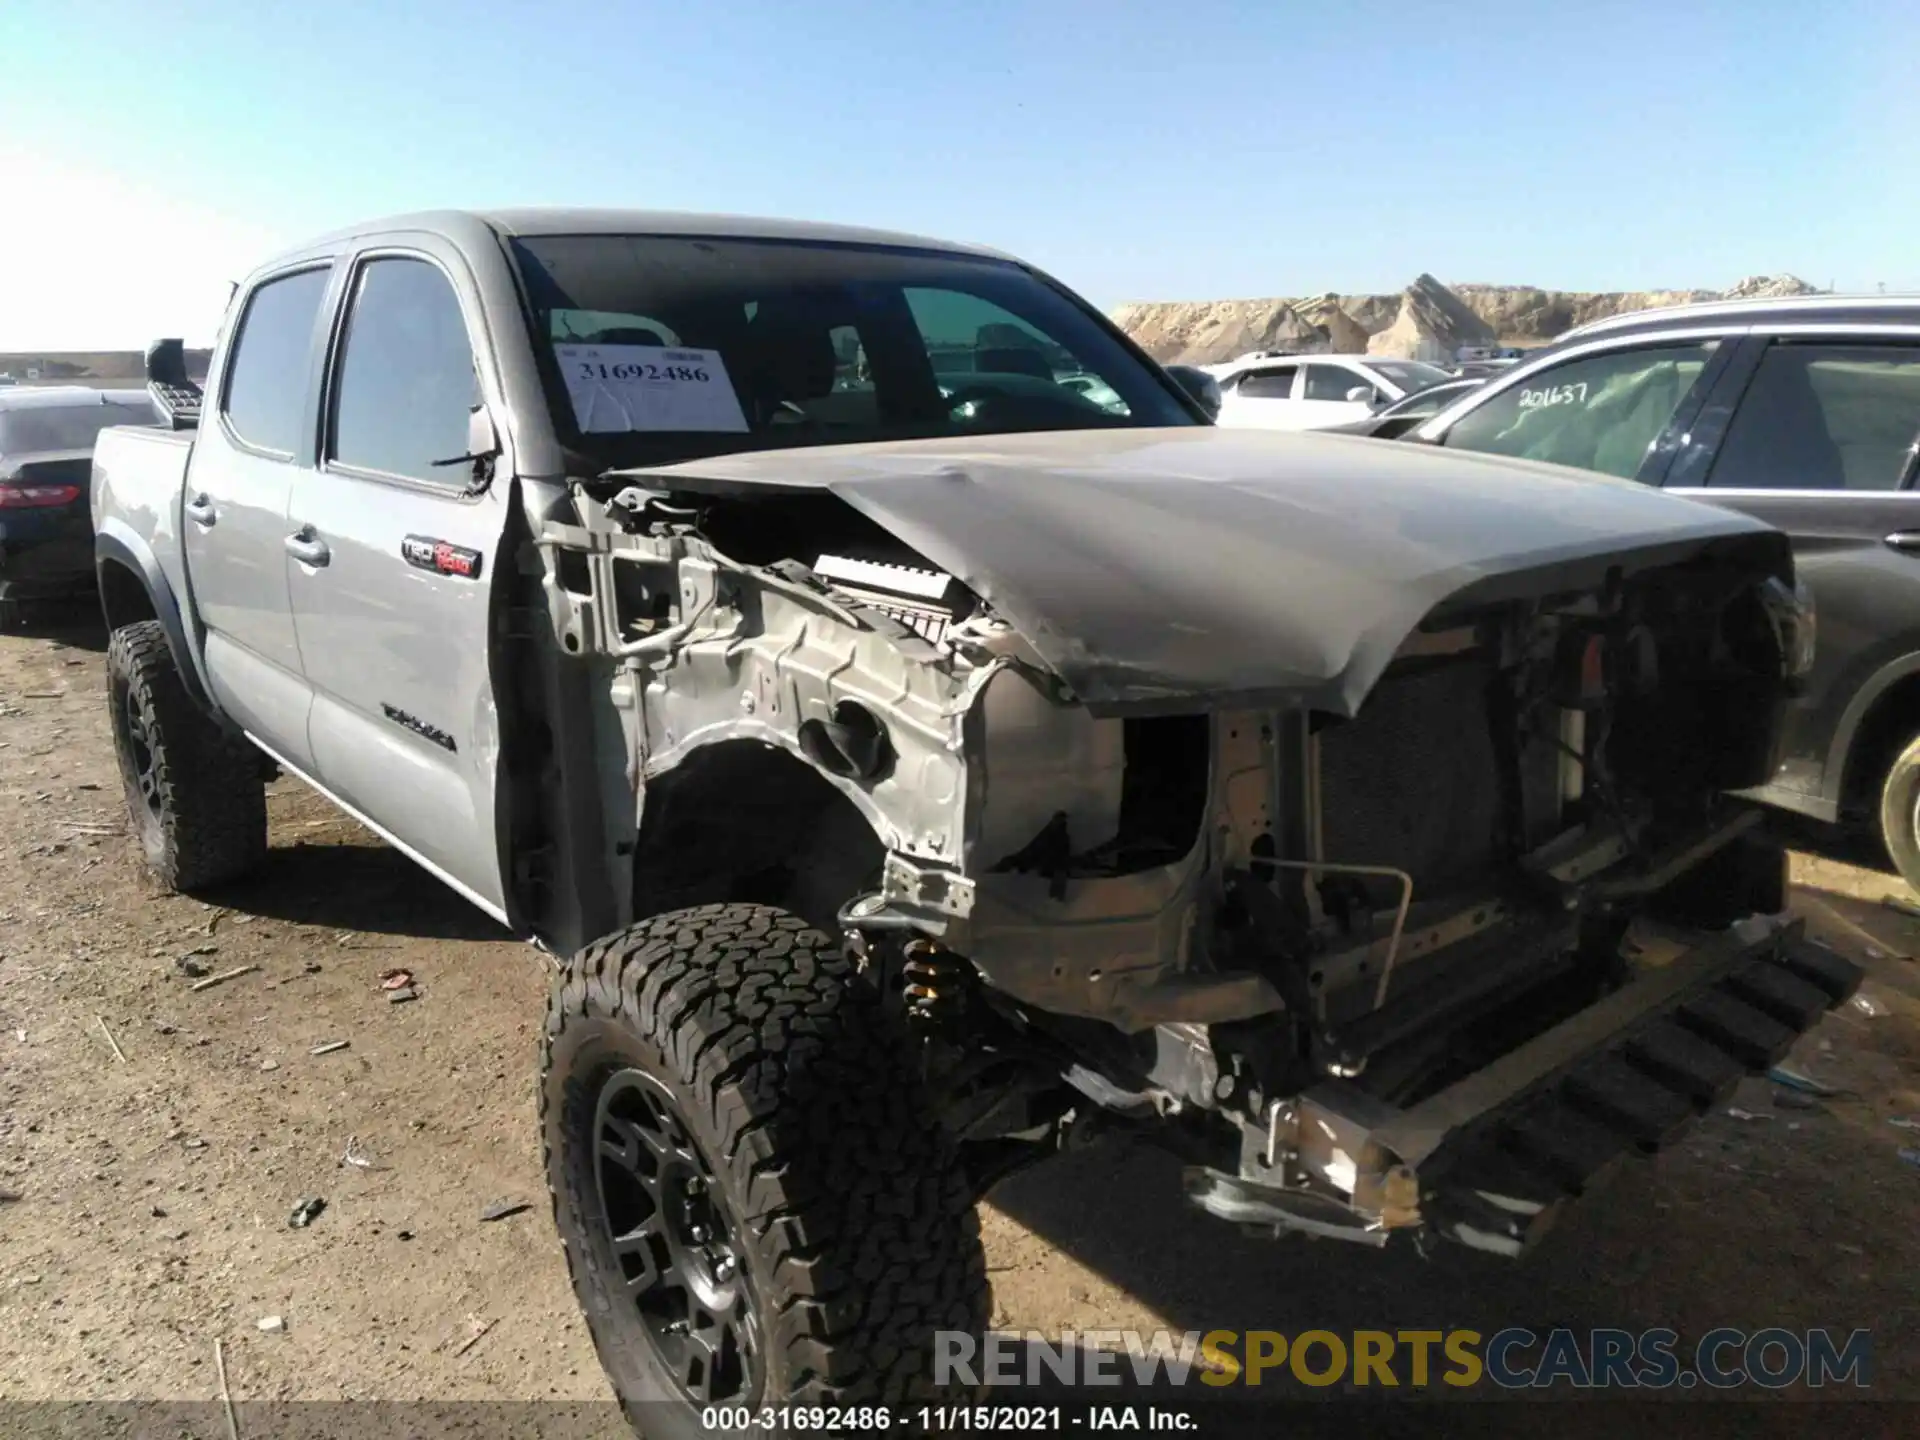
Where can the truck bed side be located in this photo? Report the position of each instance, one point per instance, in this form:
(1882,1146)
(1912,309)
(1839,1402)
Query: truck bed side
(139,477)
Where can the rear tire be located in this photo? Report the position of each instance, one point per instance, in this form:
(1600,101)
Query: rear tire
(199,810)
(1900,814)
(721,1072)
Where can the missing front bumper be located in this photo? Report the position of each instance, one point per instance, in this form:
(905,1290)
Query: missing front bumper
(1491,1161)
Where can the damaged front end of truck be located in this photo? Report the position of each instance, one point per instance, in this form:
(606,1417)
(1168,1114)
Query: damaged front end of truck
(1355,824)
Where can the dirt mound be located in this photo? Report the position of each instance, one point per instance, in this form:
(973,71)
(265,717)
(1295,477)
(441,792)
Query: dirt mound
(1432,325)
(1767,287)
(1198,332)
(1188,334)
(1345,335)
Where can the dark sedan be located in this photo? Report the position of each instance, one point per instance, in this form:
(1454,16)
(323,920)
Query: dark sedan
(46,460)
(1804,413)
(1391,421)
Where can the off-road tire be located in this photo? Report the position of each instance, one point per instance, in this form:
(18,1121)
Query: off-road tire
(1900,814)
(193,791)
(857,1230)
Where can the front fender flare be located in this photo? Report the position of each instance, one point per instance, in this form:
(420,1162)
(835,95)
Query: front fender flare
(119,543)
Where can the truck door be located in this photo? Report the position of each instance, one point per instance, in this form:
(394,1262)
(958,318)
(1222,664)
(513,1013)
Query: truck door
(390,554)
(234,507)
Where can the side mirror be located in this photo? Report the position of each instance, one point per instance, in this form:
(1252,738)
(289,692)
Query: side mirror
(482,438)
(483,443)
(1360,395)
(1202,387)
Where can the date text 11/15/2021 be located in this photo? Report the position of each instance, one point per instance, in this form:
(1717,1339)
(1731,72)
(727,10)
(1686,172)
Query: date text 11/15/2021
(944,1419)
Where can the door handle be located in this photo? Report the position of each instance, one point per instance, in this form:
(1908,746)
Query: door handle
(1908,540)
(307,547)
(200,509)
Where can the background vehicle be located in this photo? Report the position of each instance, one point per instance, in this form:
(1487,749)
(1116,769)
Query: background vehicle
(923,779)
(46,457)
(1391,421)
(1481,369)
(1803,412)
(1315,392)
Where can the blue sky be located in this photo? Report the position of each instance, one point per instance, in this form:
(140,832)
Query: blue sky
(1139,151)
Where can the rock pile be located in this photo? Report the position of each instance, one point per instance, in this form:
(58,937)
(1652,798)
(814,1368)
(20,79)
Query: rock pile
(1421,320)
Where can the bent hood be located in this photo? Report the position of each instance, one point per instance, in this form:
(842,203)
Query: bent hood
(1199,568)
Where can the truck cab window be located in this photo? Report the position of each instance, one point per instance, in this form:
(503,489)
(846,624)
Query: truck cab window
(405,381)
(266,387)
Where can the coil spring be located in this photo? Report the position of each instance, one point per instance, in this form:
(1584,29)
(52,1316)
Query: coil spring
(935,981)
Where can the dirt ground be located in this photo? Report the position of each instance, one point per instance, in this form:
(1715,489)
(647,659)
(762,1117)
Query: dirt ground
(149,1196)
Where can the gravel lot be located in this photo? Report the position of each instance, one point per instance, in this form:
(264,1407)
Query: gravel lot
(152,1194)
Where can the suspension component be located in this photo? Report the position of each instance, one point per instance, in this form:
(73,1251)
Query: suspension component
(934,986)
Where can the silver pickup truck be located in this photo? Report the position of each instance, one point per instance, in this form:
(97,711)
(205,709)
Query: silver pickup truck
(925,771)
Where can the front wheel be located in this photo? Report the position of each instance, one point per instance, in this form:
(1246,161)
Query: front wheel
(1900,814)
(756,1205)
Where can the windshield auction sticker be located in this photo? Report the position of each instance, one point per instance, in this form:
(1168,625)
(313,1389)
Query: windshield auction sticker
(617,388)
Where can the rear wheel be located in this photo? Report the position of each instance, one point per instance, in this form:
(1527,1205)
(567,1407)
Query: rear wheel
(193,791)
(756,1206)
(1900,814)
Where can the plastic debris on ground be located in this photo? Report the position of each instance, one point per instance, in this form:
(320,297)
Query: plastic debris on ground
(1794,1080)
(305,1211)
(355,1157)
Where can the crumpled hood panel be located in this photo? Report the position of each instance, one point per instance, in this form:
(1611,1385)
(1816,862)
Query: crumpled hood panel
(1184,569)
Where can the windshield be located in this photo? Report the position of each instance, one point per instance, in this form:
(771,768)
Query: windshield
(1409,375)
(664,348)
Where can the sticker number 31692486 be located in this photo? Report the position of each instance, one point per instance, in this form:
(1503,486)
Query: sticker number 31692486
(601,370)
(626,388)
(1550,395)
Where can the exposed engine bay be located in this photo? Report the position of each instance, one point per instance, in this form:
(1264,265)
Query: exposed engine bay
(1282,937)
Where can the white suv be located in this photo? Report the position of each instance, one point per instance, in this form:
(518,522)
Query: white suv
(1312,392)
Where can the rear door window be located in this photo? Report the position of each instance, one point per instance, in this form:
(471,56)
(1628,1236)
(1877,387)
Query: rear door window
(1824,417)
(267,376)
(1601,412)
(1273,383)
